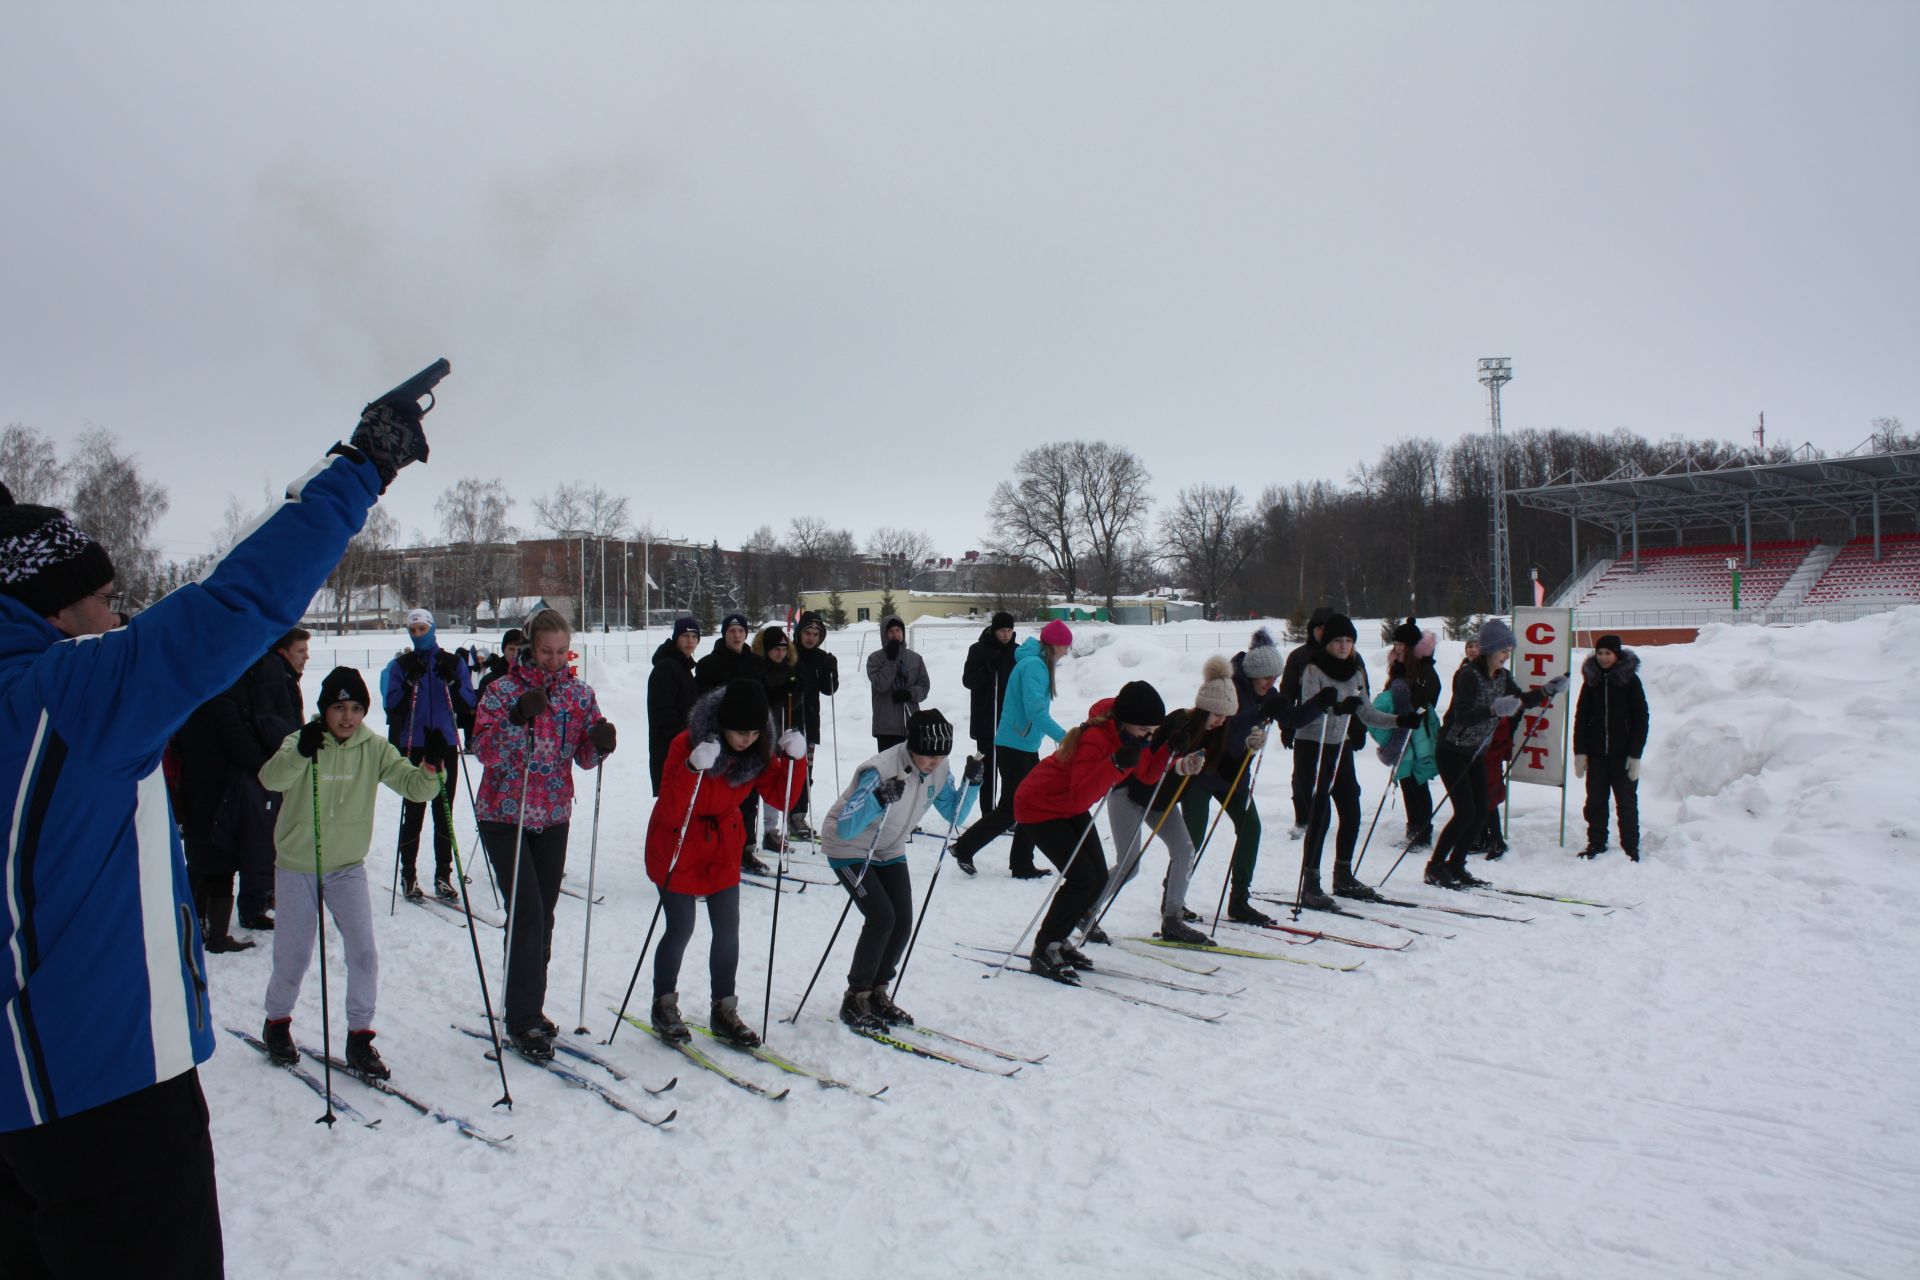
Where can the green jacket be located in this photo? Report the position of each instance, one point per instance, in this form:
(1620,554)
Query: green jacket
(350,773)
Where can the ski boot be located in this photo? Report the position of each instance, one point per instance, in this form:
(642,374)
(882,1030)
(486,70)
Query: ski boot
(799,829)
(964,861)
(1465,879)
(667,1021)
(752,866)
(1074,956)
(726,1023)
(255,918)
(1346,886)
(1441,875)
(1594,849)
(278,1037)
(410,889)
(213,929)
(882,1005)
(1029,872)
(1420,839)
(1241,911)
(533,1044)
(363,1058)
(1174,929)
(1048,962)
(1095,934)
(771,842)
(857,1013)
(443,889)
(1312,896)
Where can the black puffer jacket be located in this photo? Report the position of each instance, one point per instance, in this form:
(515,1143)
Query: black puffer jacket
(1611,717)
(670,695)
(1289,686)
(234,733)
(819,676)
(722,664)
(989,663)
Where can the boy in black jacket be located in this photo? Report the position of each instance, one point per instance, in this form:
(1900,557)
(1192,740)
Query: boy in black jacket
(1609,733)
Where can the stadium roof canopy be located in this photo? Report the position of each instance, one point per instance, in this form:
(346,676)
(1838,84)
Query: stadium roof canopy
(1851,487)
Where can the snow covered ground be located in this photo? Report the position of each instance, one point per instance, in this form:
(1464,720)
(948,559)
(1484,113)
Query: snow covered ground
(1718,1081)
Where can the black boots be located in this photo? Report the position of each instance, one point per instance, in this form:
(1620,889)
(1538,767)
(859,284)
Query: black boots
(1050,961)
(533,1044)
(363,1057)
(443,889)
(1174,929)
(214,928)
(1031,871)
(1241,911)
(750,865)
(1346,886)
(278,1037)
(410,888)
(882,1004)
(857,1011)
(1312,896)
(667,1021)
(727,1025)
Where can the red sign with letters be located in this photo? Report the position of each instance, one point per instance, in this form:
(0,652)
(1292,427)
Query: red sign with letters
(1544,650)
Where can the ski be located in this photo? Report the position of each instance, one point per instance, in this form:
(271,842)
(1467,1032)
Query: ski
(795,877)
(700,1059)
(786,885)
(1164,983)
(1318,935)
(1453,911)
(1204,970)
(569,1076)
(572,892)
(304,1077)
(573,1049)
(1005,1055)
(787,1064)
(465,1127)
(922,1051)
(452,913)
(1355,915)
(1084,985)
(1554,897)
(1250,955)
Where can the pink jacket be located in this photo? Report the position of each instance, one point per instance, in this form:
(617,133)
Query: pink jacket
(558,734)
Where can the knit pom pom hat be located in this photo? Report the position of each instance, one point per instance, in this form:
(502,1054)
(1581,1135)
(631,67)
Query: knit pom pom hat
(1217,693)
(1262,661)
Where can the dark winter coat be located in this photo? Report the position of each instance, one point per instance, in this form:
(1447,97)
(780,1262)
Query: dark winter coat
(1611,717)
(722,664)
(1296,666)
(782,680)
(1470,720)
(907,672)
(709,857)
(223,745)
(670,695)
(819,677)
(436,700)
(989,663)
(496,666)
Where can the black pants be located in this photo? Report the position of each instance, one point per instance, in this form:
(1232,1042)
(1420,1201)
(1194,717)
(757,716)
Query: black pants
(798,808)
(124,1189)
(723,957)
(984,748)
(1465,776)
(889,739)
(1302,781)
(885,899)
(1079,886)
(1015,765)
(413,815)
(1607,777)
(1339,792)
(1419,804)
(543,861)
(210,867)
(750,821)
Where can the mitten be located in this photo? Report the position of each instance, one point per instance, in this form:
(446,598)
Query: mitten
(1347,705)
(1555,685)
(389,436)
(702,756)
(1633,768)
(1579,766)
(413,665)
(901,695)
(1127,756)
(1191,763)
(794,743)
(974,772)
(890,790)
(312,733)
(1506,704)
(527,706)
(1411,720)
(1323,699)
(603,737)
(1257,737)
(446,666)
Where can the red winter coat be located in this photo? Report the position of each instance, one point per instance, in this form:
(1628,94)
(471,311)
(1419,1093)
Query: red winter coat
(1067,789)
(710,859)
(1500,749)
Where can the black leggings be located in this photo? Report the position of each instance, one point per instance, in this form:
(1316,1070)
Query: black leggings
(1338,791)
(1079,887)
(1419,802)
(1015,765)
(723,959)
(541,865)
(1466,781)
(885,898)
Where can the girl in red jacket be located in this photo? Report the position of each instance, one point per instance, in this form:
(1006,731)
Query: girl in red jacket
(1054,806)
(724,755)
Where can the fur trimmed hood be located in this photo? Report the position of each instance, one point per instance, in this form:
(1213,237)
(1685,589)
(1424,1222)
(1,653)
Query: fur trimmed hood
(736,767)
(1623,670)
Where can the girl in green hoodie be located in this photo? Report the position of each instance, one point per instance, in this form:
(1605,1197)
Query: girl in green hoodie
(351,762)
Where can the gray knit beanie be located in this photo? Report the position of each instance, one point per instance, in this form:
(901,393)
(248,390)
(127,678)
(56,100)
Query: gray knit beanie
(1262,660)
(1495,635)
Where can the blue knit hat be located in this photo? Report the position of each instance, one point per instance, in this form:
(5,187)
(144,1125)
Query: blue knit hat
(1495,635)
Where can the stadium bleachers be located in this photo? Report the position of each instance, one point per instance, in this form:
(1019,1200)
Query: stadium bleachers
(1855,577)
(1695,578)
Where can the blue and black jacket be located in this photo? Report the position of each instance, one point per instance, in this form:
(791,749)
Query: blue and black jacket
(102,987)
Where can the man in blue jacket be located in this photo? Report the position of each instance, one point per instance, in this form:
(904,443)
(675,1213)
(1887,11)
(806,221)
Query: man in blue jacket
(106,1164)
(427,691)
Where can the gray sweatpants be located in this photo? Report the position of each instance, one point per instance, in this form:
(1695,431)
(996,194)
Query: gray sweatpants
(1129,839)
(298,911)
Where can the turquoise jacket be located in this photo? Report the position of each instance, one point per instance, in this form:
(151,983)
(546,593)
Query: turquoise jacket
(1025,715)
(1417,758)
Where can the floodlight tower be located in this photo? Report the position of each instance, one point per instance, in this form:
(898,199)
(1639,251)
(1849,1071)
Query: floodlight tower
(1497,372)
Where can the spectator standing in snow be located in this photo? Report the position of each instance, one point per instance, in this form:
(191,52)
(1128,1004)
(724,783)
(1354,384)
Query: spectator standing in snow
(988,667)
(730,659)
(106,1162)
(1413,684)
(424,689)
(670,692)
(336,755)
(502,662)
(899,679)
(819,676)
(1026,717)
(1609,734)
(535,721)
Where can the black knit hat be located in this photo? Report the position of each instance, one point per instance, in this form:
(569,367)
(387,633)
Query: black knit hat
(343,684)
(772,638)
(744,706)
(1407,633)
(514,636)
(734,620)
(685,623)
(929,734)
(1608,642)
(1338,626)
(1139,703)
(46,563)
(891,621)
(812,620)
(1002,619)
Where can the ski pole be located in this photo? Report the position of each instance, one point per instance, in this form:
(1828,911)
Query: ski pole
(1093,820)
(473,804)
(393,900)
(1392,772)
(1460,778)
(779,892)
(1252,780)
(473,937)
(1225,800)
(853,890)
(1313,816)
(1172,804)
(593,865)
(513,874)
(665,885)
(833,709)
(320,921)
(934,880)
(1125,858)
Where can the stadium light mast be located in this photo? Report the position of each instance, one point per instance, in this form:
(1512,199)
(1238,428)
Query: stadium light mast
(1497,372)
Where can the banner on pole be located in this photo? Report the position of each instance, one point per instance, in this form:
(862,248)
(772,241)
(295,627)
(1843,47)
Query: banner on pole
(1544,650)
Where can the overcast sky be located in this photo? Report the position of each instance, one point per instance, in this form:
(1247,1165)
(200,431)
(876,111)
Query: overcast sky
(747,262)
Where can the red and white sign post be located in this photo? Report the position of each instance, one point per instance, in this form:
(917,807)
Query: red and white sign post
(1544,650)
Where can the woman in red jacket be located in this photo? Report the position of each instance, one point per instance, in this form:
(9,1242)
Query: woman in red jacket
(724,755)
(1054,806)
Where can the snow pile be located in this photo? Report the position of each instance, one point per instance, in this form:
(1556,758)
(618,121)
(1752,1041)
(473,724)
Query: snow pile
(1709,1083)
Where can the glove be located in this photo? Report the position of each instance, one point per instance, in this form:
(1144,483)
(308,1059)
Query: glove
(603,737)
(1127,756)
(702,756)
(1579,766)
(1553,687)
(389,436)
(794,743)
(890,790)
(1257,736)
(1347,705)
(891,648)
(1411,720)
(1506,704)
(974,772)
(312,733)
(1323,699)
(902,695)
(1191,763)
(1633,768)
(446,667)
(527,706)
(413,665)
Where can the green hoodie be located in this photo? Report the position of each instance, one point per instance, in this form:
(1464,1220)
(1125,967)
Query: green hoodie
(350,774)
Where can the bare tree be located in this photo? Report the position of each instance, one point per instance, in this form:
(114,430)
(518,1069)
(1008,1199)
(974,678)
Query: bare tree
(1035,516)
(30,466)
(904,552)
(1206,536)
(823,556)
(1111,508)
(118,509)
(473,520)
(361,567)
(575,509)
